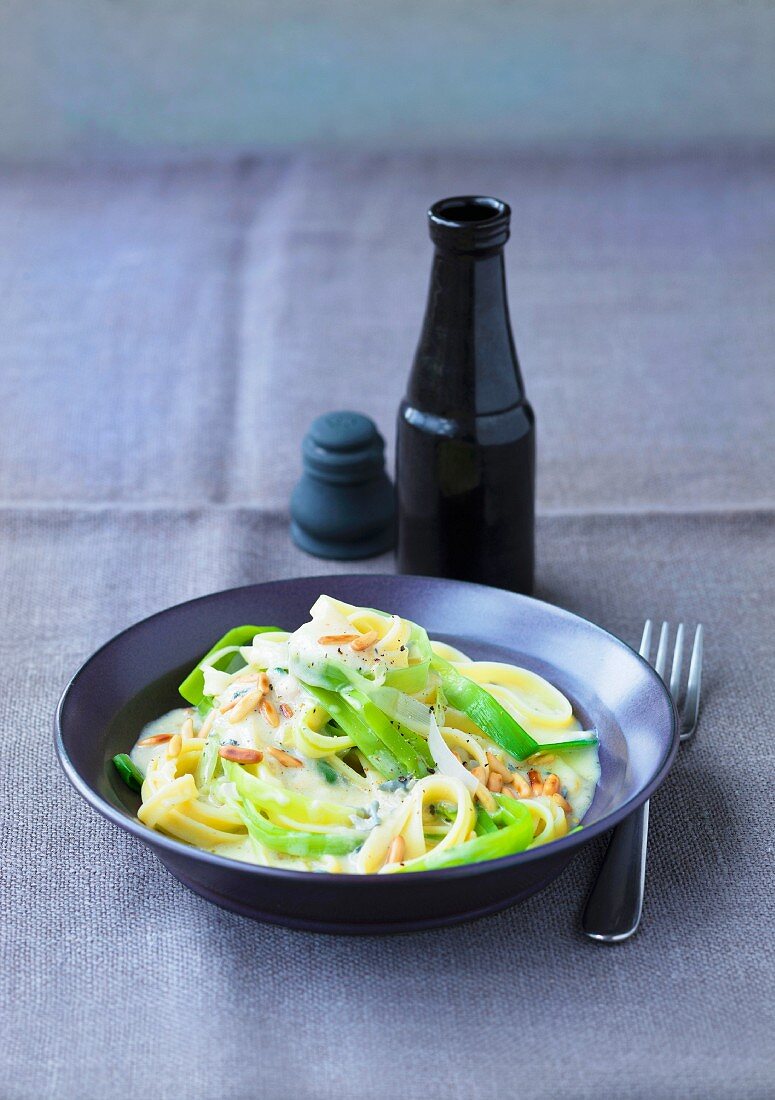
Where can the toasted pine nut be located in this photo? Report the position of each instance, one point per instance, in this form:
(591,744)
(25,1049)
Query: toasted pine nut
(263,683)
(286,711)
(508,791)
(229,706)
(495,782)
(240,755)
(486,799)
(551,784)
(155,739)
(248,678)
(267,708)
(207,725)
(562,802)
(174,747)
(337,639)
(536,782)
(365,640)
(521,784)
(244,705)
(187,729)
(396,850)
(284,758)
(498,766)
(481,774)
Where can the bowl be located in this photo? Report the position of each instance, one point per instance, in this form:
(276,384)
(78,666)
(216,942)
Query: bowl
(134,678)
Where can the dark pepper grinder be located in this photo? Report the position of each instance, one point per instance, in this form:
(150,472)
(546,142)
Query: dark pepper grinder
(465,455)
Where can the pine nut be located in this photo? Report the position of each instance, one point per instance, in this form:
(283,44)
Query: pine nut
(244,705)
(521,784)
(263,683)
(284,758)
(187,729)
(536,782)
(508,791)
(207,725)
(240,755)
(286,711)
(228,706)
(155,739)
(551,784)
(269,712)
(498,766)
(365,640)
(562,802)
(396,850)
(495,782)
(337,639)
(249,678)
(174,747)
(481,774)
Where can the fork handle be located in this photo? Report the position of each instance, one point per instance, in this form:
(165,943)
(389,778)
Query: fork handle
(614,906)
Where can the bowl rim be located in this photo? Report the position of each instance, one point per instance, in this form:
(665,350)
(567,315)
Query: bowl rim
(567,844)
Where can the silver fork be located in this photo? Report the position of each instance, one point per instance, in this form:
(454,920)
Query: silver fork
(615,904)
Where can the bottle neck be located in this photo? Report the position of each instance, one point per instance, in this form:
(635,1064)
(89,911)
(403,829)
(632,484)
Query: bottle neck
(466,363)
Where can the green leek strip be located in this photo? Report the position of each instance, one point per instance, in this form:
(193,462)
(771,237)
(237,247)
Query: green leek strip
(411,680)
(419,744)
(192,688)
(388,734)
(293,843)
(208,761)
(571,743)
(484,823)
(128,771)
(356,728)
(515,837)
(485,711)
(291,804)
(581,740)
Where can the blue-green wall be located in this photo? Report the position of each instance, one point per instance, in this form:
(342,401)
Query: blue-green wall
(101,78)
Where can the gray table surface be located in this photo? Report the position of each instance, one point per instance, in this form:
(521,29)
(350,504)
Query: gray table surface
(167,336)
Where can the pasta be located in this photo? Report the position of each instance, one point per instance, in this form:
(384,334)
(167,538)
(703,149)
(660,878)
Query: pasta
(358,745)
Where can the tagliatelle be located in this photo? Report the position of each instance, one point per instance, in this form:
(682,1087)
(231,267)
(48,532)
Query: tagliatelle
(359,763)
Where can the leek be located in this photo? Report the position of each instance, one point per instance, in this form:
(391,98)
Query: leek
(358,731)
(295,843)
(192,688)
(290,804)
(484,710)
(515,837)
(128,771)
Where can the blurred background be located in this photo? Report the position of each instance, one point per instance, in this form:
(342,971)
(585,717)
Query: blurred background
(183,78)
(207,208)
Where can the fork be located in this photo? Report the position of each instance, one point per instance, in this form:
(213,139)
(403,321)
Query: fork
(615,904)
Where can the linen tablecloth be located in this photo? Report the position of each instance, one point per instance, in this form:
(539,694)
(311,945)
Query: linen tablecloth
(168,335)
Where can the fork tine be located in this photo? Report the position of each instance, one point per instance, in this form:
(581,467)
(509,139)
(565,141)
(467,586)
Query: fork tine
(678,659)
(692,701)
(661,659)
(645,642)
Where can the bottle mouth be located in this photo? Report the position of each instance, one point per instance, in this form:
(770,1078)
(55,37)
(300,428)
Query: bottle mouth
(469,223)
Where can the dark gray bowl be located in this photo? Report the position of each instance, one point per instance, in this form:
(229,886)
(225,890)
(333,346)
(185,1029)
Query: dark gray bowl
(134,677)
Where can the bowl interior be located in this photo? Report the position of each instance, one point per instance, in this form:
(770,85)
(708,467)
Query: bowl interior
(134,677)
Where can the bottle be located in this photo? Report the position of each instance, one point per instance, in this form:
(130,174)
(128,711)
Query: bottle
(465,450)
(343,507)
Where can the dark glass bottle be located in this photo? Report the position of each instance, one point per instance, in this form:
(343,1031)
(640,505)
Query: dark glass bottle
(465,456)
